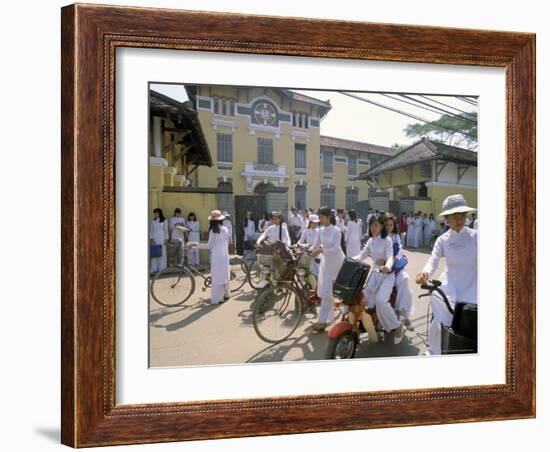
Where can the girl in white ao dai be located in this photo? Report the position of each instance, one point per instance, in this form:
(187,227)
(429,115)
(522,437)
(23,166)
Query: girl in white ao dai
(327,246)
(380,284)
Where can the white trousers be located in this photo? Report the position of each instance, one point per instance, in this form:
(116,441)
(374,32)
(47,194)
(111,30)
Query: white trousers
(441,316)
(159,263)
(326,313)
(219,292)
(404,302)
(377,292)
(193,256)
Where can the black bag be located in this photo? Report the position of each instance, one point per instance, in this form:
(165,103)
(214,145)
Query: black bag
(350,280)
(461,336)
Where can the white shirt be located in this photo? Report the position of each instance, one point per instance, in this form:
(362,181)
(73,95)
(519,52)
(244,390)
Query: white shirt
(249,229)
(396,239)
(341,224)
(460,252)
(176,233)
(378,249)
(272,234)
(295,220)
(309,236)
(229,227)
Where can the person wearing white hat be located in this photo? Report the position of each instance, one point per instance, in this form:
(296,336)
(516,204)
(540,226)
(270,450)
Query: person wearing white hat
(353,233)
(227,223)
(218,242)
(309,236)
(459,279)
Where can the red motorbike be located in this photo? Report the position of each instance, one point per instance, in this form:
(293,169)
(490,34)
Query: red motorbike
(356,318)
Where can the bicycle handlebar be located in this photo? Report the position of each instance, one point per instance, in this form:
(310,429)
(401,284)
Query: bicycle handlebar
(435,287)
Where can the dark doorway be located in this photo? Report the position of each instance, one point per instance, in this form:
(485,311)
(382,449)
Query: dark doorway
(254,204)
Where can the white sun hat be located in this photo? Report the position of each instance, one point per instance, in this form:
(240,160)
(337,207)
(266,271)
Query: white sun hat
(216,215)
(313,217)
(455,204)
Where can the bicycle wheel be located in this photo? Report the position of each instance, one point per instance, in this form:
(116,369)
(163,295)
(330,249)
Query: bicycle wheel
(238,273)
(254,273)
(277,313)
(172,286)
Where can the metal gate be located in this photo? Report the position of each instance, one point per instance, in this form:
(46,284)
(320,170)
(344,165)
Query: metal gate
(243,204)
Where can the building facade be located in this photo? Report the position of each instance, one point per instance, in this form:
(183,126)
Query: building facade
(421,176)
(267,153)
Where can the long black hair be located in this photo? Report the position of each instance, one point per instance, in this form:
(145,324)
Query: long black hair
(191,214)
(327,212)
(379,219)
(246,220)
(352,215)
(215,226)
(161,215)
(282,221)
(391,216)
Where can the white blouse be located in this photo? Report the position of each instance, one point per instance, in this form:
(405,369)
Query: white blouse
(378,249)
(272,234)
(309,236)
(460,252)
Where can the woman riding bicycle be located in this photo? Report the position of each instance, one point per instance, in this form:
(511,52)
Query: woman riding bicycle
(459,279)
(277,232)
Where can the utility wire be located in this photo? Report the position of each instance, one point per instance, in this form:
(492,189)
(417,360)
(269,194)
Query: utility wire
(410,115)
(468,101)
(446,105)
(410,103)
(437,108)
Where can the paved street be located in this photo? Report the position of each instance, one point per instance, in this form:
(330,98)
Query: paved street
(200,334)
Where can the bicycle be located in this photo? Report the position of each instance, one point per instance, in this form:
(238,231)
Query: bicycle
(174,285)
(281,306)
(461,335)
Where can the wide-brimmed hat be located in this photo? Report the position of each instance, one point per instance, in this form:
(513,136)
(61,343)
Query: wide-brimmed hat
(216,215)
(455,204)
(313,218)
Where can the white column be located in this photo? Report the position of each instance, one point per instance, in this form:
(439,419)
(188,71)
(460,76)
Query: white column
(412,189)
(156,136)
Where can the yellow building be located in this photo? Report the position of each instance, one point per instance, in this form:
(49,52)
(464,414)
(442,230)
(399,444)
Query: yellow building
(267,153)
(421,176)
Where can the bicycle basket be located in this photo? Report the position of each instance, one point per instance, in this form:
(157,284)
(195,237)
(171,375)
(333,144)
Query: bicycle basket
(305,260)
(264,259)
(282,268)
(453,343)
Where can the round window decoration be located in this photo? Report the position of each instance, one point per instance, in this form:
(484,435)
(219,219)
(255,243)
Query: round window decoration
(265,114)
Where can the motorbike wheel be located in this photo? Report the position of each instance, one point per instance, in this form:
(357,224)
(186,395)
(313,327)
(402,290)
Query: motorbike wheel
(342,347)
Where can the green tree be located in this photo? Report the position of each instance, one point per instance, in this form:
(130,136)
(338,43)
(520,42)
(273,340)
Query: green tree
(459,130)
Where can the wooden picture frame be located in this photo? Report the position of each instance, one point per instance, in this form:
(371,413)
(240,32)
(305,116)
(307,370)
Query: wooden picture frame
(90,36)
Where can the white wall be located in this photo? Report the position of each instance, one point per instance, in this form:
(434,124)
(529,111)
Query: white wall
(30,327)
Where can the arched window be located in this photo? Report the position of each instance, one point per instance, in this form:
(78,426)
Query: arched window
(351,198)
(216,105)
(328,197)
(300,195)
(224,107)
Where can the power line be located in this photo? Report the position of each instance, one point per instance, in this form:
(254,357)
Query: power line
(440,109)
(410,103)
(410,115)
(468,101)
(446,105)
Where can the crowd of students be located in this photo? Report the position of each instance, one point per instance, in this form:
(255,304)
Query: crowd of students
(331,237)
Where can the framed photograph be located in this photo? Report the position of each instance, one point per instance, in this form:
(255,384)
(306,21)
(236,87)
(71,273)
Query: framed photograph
(283,225)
